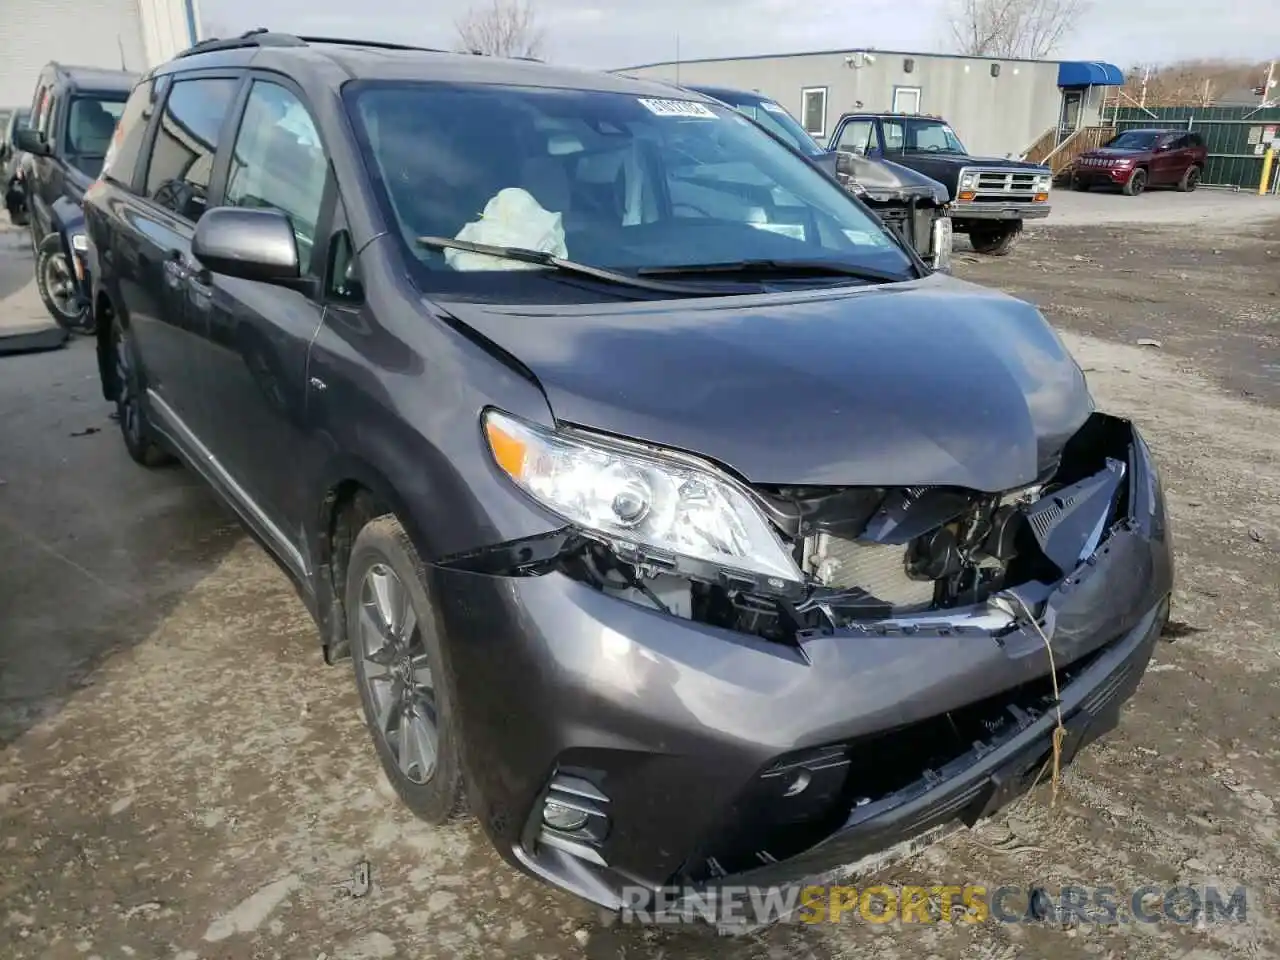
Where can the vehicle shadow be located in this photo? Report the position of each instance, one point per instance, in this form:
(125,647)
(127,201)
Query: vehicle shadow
(17,269)
(94,550)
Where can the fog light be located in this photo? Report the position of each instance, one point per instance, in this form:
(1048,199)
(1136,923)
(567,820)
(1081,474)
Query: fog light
(558,816)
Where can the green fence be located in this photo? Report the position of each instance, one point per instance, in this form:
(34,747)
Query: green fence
(1236,137)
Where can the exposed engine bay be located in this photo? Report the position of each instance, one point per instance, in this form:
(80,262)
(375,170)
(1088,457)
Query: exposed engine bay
(876,555)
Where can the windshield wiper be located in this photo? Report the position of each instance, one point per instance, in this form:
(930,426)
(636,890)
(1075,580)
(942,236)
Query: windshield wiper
(544,259)
(792,268)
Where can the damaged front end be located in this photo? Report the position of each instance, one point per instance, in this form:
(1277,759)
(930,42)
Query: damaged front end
(832,672)
(861,558)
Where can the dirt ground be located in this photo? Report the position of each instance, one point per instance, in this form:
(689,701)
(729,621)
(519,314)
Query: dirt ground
(181,777)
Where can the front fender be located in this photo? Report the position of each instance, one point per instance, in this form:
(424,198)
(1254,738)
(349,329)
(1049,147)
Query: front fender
(66,219)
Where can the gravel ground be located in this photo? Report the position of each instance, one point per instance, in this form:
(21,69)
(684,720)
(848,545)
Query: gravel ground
(181,777)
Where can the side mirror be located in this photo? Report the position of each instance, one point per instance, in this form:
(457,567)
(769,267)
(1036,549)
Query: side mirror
(247,244)
(31,141)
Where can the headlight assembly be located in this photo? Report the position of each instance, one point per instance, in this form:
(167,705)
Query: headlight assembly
(654,507)
(79,242)
(968,181)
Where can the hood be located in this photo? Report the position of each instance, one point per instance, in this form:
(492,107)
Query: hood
(930,382)
(886,180)
(952,160)
(1114,153)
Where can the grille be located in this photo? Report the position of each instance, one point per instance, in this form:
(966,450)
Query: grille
(997,182)
(879,569)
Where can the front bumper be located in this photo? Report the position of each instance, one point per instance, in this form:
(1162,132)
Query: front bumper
(992,210)
(1102,176)
(682,728)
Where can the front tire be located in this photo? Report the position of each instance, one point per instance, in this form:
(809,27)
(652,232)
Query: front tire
(131,410)
(57,285)
(400,671)
(1190,179)
(1078,184)
(1136,184)
(997,239)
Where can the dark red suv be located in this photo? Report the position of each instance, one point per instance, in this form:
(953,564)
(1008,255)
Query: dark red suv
(1137,159)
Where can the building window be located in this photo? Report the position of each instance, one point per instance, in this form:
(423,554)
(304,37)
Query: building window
(906,99)
(813,102)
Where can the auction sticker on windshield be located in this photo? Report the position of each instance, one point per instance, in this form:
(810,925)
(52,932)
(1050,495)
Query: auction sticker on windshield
(677,108)
(771,106)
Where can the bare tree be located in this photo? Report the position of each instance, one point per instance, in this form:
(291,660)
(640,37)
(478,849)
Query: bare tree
(502,28)
(1013,28)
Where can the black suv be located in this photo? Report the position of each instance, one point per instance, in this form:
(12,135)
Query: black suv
(73,117)
(659,494)
(990,197)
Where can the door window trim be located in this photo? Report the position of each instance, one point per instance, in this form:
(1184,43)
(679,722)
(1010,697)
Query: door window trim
(804,111)
(226,150)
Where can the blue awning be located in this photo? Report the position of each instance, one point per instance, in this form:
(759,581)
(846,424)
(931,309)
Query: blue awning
(1089,73)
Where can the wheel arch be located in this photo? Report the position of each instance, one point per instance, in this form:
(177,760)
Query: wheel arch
(352,492)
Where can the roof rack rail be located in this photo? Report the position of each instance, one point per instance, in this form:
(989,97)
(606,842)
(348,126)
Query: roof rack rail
(375,44)
(261,37)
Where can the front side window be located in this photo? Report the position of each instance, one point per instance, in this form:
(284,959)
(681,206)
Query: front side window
(856,136)
(91,123)
(608,179)
(186,141)
(278,162)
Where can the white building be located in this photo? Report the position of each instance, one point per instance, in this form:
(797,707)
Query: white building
(133,34)
(997,106)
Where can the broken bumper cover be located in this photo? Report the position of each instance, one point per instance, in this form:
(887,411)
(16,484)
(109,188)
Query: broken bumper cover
(690,740)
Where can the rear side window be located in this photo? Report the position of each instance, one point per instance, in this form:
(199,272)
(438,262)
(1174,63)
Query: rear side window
(278,162)
(126,143)
(186,141)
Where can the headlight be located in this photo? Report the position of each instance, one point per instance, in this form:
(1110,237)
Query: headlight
(942,240)
(661,506)
(1043,184)
(968,181)
(79,242)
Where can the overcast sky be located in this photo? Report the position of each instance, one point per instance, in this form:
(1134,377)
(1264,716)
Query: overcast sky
(617,33)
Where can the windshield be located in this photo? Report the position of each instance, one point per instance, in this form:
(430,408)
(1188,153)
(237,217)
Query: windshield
(777,121)
(906,134)
(610,180)
(91,122)
(1133,140)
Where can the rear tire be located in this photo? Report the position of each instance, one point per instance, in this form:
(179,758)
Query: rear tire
(996,240)
(1190,179)
(131,409)
(57,285)
(1136,184)
(404,685)
(1078,184)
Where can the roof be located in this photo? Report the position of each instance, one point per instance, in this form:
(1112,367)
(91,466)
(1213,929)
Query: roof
(844,52)
(1089,73)
(374,60)
(95,78)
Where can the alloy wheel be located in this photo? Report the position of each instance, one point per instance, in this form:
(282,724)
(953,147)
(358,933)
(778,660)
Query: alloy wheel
(127,400)
(397,675)
(61,286)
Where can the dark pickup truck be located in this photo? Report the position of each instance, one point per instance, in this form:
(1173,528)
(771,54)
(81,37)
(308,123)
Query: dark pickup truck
(990,198)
